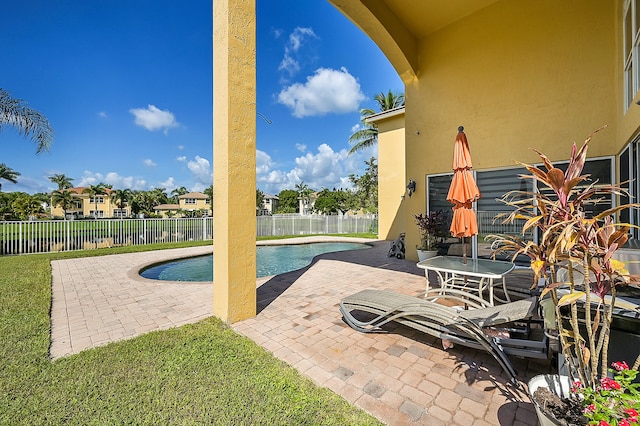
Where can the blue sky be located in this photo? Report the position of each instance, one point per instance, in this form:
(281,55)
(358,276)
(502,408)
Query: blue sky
(127,87)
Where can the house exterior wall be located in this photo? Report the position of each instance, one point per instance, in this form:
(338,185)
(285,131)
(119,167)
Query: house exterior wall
(392,177)
(200,204)
(517,75)
(106,206)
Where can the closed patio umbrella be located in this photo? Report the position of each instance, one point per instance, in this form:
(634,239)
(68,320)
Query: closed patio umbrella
(463,192)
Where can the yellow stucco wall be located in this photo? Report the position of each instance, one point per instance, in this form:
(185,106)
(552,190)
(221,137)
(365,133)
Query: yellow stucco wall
(392,178)
(234,53)
(517,75)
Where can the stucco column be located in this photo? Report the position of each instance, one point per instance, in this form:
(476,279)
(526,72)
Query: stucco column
(234,165)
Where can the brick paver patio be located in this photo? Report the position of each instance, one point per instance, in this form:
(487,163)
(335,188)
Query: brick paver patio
(401,377)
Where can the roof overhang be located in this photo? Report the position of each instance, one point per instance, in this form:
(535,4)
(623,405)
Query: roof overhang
(384,115)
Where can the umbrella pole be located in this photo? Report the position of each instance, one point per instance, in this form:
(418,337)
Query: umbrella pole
(464,260)
(464,250)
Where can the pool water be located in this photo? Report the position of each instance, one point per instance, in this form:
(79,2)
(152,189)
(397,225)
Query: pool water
(271,260)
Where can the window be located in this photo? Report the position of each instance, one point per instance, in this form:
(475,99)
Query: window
(629,180)
(493,184)
(97,199)
(189,200)
(631,43)
(98,213)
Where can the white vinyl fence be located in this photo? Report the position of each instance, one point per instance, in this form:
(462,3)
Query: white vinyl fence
(19,237)
(66,235)
(295,224)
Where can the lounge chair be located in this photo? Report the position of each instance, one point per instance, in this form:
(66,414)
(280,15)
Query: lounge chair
(475,327)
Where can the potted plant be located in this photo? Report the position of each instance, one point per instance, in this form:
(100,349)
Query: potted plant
(429,227)
(573,263)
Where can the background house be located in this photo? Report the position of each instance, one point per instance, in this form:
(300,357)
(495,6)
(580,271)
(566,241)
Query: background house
(269,204)
(189,205)
(306,203)
(100,206)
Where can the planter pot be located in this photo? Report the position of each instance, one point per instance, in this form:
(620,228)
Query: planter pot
(559,385)
(426,254)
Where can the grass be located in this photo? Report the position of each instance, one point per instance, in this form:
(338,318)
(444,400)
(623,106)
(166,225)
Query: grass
(203,373)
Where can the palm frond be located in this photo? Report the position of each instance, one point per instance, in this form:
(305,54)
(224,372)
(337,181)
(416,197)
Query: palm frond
(28,122)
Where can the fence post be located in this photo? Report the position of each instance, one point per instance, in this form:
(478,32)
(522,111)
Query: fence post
(20,248)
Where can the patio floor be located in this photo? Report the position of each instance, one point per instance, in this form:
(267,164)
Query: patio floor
(401,377)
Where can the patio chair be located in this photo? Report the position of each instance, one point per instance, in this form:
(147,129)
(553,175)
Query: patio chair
(482,327)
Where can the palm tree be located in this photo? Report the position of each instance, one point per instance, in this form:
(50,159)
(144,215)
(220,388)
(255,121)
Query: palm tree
(304,193)
(209,192)
(157,196)
(120,197)
(368,135)
(63,181)
(26,206)
(94,191)
(63,198)
(178,192)
(29,122)
(137,202)
(8,174)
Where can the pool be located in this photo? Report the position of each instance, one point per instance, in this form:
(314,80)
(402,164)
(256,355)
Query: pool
(271,260)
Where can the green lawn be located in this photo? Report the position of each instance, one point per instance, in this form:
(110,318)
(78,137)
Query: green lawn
(203,373)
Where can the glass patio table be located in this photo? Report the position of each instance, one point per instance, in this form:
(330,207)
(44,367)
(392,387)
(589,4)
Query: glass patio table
(476,276)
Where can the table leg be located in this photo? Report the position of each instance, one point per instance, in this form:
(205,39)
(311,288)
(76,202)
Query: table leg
(491,291)
(426,275)
(504,289)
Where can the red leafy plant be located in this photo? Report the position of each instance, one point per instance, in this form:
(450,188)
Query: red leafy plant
(429,228)
(572,257)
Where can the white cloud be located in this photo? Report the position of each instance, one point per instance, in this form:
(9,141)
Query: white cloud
(327,91)
(149,162)
(169,185)
(355,128)
(291,61)
(298,36)
(263,162)
(201,170)
(290,65)
(182,158)
(301,147)
(112,178)
(324,169)
(153,118)
(27,184)
(103,115)
(180,147)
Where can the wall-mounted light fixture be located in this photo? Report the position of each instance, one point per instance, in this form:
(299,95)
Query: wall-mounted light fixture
(411,187)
